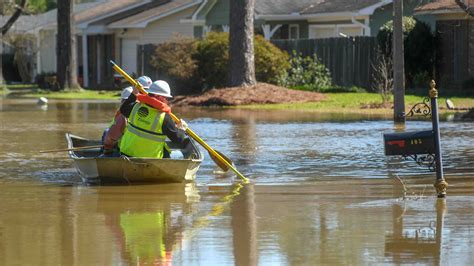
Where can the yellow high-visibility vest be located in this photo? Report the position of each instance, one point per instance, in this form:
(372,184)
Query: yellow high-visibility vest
(143,136)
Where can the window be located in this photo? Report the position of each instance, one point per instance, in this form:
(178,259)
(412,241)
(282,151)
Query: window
(320,32)
(294,31)
(351,31)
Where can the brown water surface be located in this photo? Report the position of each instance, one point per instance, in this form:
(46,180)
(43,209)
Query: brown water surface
(322,192)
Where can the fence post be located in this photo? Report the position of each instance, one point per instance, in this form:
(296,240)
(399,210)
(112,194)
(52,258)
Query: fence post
(441,185)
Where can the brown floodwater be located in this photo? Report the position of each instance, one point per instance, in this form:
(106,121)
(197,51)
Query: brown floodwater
(321,192)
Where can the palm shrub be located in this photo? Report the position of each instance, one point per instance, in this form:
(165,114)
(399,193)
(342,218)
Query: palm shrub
(306,73)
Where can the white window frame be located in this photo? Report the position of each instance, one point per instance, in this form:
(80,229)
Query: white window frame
(297,26)
(350,26)
(336,28)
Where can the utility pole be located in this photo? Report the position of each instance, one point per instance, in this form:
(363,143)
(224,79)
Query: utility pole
(398,63)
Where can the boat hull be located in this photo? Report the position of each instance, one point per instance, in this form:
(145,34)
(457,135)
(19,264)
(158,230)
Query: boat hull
(93,168)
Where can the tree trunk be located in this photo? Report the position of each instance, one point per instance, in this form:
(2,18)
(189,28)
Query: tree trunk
(5,28)
(66,47)
(241,52)
(2,79)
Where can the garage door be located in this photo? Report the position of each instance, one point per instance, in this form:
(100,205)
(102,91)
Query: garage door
(129,55)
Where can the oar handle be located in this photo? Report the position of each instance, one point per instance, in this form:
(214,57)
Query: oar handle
(128,78)
(74,149)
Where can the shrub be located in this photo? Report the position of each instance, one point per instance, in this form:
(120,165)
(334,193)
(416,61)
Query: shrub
(213,60)
(421,80)
(47,81)
(270,61)
(306,73)
(419,47)
(173,61)
(468,84)
(212,56)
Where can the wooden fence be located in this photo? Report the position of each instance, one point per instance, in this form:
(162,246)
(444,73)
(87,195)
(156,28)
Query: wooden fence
(348,59)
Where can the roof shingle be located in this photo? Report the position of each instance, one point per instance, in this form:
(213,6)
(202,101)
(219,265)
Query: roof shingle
(443,5)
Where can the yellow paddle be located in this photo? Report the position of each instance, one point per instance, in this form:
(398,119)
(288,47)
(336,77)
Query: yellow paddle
(222,161)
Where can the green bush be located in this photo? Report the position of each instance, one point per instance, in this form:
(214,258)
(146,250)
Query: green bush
(173,61)
(421,80)
(306,73)
(419,48)
(47,80)
(212,56)
(191,66)
(213,60)
(468,84)
(270,61)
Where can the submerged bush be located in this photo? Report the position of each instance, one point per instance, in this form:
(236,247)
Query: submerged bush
(306,73)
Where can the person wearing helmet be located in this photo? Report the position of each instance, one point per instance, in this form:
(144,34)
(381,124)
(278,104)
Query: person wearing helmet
(148,126)
(114,132)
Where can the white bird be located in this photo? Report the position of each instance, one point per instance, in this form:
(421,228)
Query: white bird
(42,101)
(449,104)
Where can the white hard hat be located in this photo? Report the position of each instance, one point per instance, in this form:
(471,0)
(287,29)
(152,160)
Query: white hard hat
(160,87)
(126,92)
(145,81)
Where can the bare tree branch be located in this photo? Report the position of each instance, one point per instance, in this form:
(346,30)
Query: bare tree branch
(18,10)
(469,10)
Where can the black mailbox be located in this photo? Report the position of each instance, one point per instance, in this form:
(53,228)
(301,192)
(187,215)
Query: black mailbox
(408,143)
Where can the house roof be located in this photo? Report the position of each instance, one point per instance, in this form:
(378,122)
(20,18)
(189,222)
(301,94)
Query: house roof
(335,6)
(28,23)
(442,5)
(141,19)
(300,9)
(281,7)
(107,8)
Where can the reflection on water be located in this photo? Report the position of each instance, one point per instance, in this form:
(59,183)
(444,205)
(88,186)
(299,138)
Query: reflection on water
(416,243)
(322,192)
(272,146)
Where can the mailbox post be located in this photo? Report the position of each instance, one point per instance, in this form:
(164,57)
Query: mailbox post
(441,185)
(423,146)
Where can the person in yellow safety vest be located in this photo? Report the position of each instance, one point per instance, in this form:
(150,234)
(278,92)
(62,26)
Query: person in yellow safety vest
(148,127)
(114,132)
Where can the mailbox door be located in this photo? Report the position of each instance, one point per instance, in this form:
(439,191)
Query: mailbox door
(408,143)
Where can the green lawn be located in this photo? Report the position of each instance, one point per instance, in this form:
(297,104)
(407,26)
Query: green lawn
(334,102)
(84,94)
(352,102)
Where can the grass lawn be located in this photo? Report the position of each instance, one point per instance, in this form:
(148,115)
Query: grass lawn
(83,95)
(352,102)
(31,91)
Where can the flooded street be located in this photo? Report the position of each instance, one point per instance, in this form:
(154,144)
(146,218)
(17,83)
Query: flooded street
(321,192)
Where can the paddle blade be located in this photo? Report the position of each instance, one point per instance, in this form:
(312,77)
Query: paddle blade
(220,163)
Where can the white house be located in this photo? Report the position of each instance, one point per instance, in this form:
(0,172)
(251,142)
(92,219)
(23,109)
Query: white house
(108,30)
